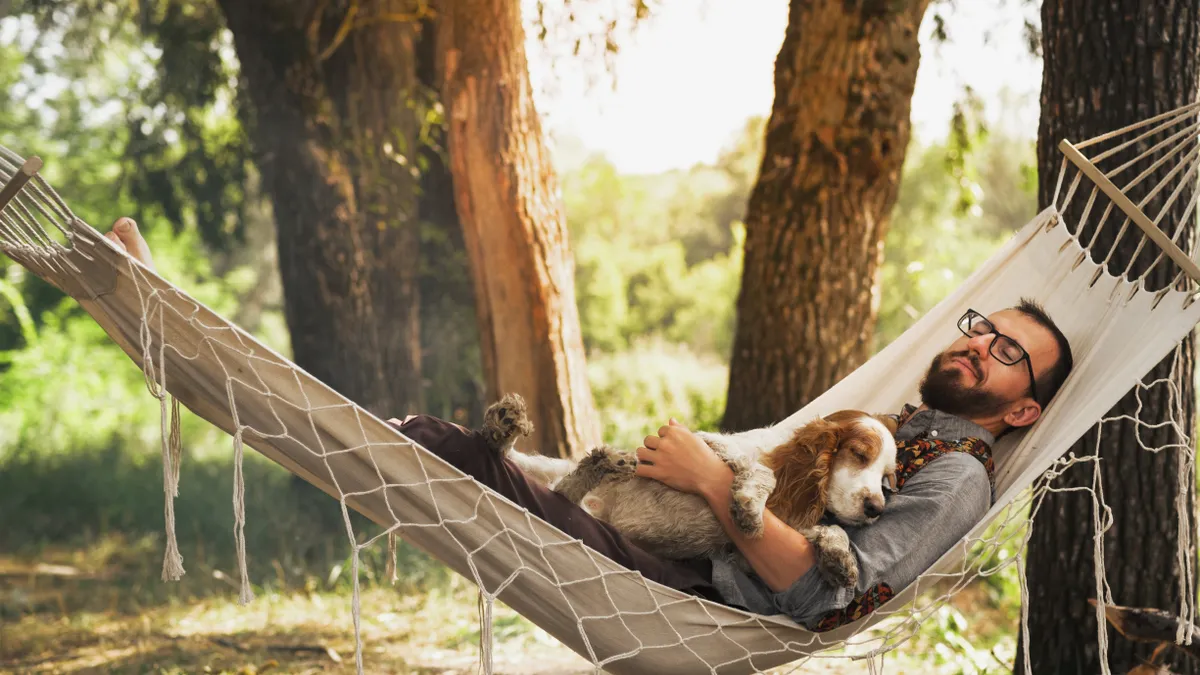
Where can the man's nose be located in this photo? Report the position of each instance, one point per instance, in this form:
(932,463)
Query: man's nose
(980,344)
(873,506)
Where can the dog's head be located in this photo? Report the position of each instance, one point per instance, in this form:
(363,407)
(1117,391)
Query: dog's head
(838,463)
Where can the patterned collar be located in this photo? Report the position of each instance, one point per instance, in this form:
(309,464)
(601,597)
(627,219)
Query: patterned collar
(935,424)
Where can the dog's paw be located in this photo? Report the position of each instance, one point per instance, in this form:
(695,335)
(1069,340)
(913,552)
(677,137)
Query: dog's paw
(504,421)
(747,511)
(608,460)
(835,560)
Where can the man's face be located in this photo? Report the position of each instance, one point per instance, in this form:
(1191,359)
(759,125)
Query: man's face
(966,380)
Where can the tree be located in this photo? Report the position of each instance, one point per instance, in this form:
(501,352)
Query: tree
(815,223)
(1109,64)
(512,215)
(331,86)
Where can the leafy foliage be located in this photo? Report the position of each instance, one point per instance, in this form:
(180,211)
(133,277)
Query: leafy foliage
(661,256)
(165,69)
(938,237)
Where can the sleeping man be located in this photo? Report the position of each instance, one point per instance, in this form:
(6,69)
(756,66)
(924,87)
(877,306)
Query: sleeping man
(998,376)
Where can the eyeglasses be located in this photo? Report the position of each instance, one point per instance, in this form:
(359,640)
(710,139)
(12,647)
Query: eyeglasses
(1003,348)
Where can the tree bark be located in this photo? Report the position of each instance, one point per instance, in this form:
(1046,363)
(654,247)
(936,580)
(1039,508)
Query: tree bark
(513,225)
(450,360)
(817,218)
(1108,64)
(328,84)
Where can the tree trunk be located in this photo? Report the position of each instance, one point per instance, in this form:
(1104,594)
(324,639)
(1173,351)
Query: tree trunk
(328,83)
(1110,63)
(817,218)
(510,207)
(449,330)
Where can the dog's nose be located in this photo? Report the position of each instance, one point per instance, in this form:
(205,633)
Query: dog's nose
(873,506)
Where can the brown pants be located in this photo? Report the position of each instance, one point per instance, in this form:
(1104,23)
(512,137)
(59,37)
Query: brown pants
(467,451)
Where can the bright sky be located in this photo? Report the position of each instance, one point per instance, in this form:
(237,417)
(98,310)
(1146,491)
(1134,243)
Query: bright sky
(697,69)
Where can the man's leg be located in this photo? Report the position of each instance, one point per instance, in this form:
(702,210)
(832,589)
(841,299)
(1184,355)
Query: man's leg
(467,451)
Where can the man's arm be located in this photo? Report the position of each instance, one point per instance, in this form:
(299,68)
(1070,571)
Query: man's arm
(780,556)
(682,460)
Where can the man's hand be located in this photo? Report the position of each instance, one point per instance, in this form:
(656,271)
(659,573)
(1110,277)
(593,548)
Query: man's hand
(682,460)
(126,237)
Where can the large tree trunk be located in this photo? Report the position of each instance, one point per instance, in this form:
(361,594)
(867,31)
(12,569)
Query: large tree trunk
(1109,63)
(450,359)
(816,220)
(328,82)
(513,224)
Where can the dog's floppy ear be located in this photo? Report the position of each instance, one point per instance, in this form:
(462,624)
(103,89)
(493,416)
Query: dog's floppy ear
(802,469)
(820,434)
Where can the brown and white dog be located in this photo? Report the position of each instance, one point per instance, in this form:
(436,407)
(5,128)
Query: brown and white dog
(836,464)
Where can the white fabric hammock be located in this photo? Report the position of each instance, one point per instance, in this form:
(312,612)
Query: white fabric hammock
(611,616)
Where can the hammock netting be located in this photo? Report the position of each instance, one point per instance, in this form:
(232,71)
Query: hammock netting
(1119,323)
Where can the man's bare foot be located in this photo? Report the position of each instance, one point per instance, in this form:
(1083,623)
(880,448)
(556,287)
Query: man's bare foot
(125,236)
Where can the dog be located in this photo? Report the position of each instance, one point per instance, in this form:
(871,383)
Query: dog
(838,463)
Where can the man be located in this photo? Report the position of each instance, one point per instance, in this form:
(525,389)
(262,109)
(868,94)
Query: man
(997,377)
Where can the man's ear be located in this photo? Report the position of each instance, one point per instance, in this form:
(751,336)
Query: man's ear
(1025,414)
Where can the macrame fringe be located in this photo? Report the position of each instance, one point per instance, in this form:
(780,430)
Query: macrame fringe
(1186,520)
(172,456)
(1024,583)
(1101,522)
(175,441)
(391,557)
(486,604)
(172,444)
(356,610)
(239,515)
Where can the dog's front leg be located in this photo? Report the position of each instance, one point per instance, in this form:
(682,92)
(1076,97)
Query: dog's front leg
(752,443)
(728,445)
(835,560)
(752,485)
(601,463)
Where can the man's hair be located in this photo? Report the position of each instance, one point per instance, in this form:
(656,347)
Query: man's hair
(1050,382)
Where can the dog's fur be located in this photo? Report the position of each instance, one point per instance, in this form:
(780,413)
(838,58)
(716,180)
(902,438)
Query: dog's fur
(829,463)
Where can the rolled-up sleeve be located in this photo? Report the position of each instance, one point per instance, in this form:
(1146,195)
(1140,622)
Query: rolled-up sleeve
(935,509)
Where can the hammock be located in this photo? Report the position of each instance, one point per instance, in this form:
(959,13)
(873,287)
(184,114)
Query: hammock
(610,615)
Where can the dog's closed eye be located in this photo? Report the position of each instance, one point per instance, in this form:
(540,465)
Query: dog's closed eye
(860,450)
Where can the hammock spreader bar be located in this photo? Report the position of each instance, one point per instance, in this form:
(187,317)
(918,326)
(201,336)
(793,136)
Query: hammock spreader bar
(1135,214)
(19,179)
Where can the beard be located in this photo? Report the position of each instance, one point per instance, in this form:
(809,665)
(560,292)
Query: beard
(942,389)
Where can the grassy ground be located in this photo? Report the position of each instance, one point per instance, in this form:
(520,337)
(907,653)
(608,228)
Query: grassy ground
(60,617)
(103,610)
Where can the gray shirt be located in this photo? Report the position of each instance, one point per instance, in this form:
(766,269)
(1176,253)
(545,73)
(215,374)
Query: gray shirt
(934,509)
